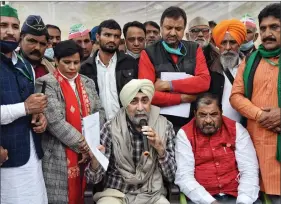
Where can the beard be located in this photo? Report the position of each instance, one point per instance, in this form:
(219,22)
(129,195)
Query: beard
(229,59)
(135,119)
(109,48)
(202,42)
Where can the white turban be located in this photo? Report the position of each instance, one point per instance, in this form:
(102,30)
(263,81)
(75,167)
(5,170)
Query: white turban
(130,90)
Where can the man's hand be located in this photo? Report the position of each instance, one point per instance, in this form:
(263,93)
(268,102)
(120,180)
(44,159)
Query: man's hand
(161,85)
(270,118)
(35,103)
(85,158)
(3,155)
(186,98)
(154,140)
(94,161)
(39,122)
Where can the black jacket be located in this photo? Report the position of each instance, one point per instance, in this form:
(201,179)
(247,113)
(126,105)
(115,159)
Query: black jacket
(126,69)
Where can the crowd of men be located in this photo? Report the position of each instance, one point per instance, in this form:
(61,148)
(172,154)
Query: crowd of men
(227,149)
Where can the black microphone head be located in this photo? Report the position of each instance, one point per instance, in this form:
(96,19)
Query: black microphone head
(143,122)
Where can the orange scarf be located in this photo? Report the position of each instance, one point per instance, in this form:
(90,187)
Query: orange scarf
(73,111)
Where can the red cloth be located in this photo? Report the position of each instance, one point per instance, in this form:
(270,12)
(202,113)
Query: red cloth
(76,184)
(197,84)
(40,71)
(215,164)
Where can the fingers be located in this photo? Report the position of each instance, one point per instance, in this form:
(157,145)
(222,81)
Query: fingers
(267,109)
(85,159)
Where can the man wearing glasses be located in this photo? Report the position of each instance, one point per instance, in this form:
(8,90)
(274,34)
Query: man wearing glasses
(200,32)
(134,34)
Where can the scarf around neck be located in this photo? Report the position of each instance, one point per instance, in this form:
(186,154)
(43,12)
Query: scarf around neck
(265,54)
(174,51)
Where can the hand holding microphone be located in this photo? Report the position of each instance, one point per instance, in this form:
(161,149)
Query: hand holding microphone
(143,123)
(152,138)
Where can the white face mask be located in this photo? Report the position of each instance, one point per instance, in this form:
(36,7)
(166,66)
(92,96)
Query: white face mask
(49,52)
(136,56)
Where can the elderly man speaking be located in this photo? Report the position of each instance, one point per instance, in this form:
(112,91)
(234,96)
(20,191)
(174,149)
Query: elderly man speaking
(132,176)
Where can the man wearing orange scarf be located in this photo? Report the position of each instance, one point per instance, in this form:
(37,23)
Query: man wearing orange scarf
(228,36)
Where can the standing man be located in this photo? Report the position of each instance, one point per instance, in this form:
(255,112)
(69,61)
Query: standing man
(54,34)
(228,36)
(152,32)
(134,34)
(248,46)
(21,119)
(200,32)
(33,44)
(256,94)
(82,36)
(172,54)
(109,68)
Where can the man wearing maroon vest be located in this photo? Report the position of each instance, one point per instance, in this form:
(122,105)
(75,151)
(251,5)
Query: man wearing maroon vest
(216,159)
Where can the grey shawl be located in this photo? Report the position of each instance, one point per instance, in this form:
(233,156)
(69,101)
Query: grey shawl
(60,134)
(147,172)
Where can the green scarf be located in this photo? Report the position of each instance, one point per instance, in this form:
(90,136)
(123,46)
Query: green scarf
(265,54)
(175,51)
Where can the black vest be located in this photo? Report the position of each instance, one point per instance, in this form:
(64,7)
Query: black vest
(15,136)
(163,61)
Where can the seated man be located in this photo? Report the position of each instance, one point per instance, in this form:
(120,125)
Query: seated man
(216,159)
(132,177)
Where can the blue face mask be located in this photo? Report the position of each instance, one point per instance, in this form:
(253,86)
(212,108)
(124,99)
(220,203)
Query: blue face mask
(49,52)
(8,46)
(247,46)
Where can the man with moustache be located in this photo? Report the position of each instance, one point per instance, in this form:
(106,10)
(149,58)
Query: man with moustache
(172,54)
(21,119)
(248,46)
(200,32)
(216,159)
(54,38)
(134,34)
(133,177)
(228,36)
(256,94)
(109,68)
(82,36)
(33,44)
(152,32)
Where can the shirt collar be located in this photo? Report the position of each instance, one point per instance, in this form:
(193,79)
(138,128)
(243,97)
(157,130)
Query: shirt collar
(112,60)
(14,58)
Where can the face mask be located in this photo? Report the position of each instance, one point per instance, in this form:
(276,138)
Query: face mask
(8,46)
(135,56)
(49,52)
(247,46)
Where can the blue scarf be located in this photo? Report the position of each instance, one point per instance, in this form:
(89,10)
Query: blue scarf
(8,46)
(174,51)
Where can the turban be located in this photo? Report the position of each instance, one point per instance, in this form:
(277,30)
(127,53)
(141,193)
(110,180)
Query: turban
(93,33)
(198,21)
(248,20)
(235,27)
(77,30)
(8,11)
(34,25)
(130,90)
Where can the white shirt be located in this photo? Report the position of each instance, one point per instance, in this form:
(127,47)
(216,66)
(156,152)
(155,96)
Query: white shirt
(107,86)
(247,163)
(24,184)
(227,109)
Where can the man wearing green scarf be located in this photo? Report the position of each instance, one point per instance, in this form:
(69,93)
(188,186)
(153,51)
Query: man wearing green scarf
(256,94)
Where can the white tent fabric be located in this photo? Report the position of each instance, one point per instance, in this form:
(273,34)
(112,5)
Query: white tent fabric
(65,14)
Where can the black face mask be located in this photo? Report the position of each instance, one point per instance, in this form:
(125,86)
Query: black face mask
(8,46)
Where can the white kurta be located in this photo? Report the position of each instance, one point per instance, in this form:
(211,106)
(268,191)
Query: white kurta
(24,184)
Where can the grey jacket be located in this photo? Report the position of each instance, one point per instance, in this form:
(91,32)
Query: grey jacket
(60,134)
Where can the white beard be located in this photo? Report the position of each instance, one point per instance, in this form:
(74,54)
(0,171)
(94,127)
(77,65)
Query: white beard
(229,59)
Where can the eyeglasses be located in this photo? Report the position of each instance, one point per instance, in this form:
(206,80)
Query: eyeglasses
(196,31)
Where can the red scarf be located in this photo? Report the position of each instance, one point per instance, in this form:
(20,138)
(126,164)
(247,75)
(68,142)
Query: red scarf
(76,182)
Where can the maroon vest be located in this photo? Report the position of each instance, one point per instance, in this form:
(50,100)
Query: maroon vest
(215,164)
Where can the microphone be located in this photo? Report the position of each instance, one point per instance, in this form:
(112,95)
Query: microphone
(143,122)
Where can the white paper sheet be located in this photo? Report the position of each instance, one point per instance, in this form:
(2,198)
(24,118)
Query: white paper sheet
(181,110)
(91,129)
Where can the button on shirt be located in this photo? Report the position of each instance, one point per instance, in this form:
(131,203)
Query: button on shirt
(107,86)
